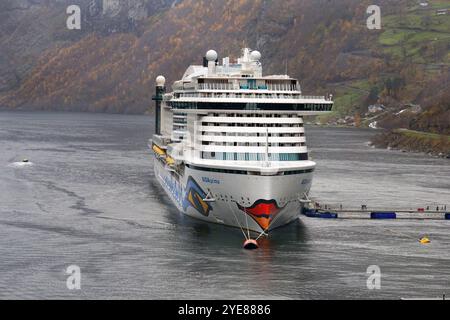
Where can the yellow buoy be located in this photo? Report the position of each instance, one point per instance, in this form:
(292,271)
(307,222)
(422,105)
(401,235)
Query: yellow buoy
(425,240)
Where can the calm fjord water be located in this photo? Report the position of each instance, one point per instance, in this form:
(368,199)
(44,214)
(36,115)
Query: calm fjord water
(90,199)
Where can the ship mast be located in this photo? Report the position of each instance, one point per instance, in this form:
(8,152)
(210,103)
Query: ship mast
(158,98)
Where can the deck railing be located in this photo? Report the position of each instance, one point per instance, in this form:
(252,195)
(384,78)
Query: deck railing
(229,86)
(250,96)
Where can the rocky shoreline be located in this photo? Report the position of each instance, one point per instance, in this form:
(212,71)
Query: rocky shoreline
(414,141)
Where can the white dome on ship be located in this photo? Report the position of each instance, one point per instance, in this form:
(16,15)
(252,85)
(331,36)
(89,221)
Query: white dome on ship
(255,55)
(211,55)
(160,81)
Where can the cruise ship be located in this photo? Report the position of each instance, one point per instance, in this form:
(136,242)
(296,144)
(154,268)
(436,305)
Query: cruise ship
(230,144)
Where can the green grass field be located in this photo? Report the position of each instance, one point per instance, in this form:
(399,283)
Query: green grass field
(421,135)
(419,35)
(410,35)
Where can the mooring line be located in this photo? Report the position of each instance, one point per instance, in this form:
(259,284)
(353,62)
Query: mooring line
(242,229)
(246,221)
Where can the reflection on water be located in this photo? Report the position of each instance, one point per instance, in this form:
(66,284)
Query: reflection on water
(91,199)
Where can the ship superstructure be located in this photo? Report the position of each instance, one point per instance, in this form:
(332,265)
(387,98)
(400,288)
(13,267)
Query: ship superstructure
(230,144)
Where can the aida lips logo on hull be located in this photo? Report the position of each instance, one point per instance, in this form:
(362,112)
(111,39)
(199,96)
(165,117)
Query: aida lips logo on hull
(263,212)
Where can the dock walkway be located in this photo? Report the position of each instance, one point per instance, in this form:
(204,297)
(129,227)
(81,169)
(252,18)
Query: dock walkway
(376,214)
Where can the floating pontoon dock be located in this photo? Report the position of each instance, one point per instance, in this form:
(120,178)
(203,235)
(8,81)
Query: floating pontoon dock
(376,214)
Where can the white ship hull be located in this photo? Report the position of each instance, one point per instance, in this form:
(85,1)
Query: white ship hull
(256,203)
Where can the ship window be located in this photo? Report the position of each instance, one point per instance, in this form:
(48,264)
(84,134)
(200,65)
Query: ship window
(244,172)
(255,156)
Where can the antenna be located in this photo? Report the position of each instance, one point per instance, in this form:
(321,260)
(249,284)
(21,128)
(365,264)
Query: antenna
(244,44)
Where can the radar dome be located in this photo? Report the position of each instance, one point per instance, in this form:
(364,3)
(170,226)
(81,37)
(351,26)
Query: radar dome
(160,81)
(211,55)
(255,55)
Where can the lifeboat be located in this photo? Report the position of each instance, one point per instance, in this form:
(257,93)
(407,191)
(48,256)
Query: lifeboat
(159,151)
(170,161)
